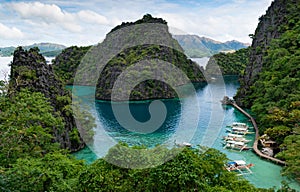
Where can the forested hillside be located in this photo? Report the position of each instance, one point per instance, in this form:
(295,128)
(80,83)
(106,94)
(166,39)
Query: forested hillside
(271,84)
(229,63)
(66,63)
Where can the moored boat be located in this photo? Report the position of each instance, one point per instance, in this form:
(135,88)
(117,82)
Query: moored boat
(239,165)
(183,144)
(239,131)
(234,137)
(237,145)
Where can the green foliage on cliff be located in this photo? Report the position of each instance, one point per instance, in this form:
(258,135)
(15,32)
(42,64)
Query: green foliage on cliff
(275,95)
(229,63)
(29,70)
(148,89)
(26,124)
(66,63)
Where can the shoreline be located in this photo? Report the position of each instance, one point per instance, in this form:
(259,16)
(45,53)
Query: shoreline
(255,144)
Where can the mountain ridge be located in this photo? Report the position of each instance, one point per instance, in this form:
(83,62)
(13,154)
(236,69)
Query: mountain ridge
(196,46)
(46,49)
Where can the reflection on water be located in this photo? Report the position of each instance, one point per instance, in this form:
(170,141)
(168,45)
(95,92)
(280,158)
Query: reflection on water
(212,121)
(140,111)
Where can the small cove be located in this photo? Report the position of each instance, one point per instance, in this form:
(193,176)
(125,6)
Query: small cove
(213,119)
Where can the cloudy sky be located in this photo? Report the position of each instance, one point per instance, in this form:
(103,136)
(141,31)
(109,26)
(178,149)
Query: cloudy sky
(80,22)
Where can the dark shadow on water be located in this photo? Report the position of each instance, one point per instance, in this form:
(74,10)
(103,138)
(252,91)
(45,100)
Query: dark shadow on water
(140,112)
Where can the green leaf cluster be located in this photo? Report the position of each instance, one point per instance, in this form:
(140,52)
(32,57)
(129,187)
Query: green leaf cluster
(190,170)
(26,125)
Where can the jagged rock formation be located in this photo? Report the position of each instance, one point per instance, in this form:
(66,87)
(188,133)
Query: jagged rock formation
(122,42)
(29,70)
(269,28)
(149,89)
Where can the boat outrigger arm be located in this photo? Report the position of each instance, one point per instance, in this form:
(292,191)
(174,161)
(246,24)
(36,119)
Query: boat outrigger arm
(240,166)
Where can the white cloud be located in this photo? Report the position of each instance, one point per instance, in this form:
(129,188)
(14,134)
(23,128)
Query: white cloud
(52,14)
(82,22)
(92,17)
(225,22)
(10,33)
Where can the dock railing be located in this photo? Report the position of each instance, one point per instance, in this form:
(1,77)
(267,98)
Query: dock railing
(255,144)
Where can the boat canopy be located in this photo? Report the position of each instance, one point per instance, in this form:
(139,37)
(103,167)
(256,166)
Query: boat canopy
(237,124)
(239,129)
(240,162)
(235,135)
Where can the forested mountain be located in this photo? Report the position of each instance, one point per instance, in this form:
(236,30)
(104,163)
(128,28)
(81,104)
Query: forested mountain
(271,83)
(29,71)
(66,63)
(195,46)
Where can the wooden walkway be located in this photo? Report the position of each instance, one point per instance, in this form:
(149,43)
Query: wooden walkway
(255,148)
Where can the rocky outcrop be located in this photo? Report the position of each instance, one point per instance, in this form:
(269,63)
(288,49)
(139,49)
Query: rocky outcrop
(162,47)
(66,63)
(270,27)
(124,46)
(149,89)
(29,70)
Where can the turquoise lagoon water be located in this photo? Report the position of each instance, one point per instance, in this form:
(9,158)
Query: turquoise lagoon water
(212,120)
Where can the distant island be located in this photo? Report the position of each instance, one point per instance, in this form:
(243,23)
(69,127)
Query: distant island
(193,46)
(46,49)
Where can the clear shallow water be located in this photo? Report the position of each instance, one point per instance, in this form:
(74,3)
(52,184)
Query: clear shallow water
(212,121)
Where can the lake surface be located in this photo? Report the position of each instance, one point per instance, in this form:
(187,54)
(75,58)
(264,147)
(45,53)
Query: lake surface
(212,121)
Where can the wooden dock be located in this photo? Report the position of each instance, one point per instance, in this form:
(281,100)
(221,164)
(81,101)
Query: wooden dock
(255,144)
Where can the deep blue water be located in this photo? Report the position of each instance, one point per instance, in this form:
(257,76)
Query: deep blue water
(211,120)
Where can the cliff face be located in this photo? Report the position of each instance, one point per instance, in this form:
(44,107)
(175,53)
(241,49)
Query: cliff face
(29,70)
(269,28)
(128,57)
(66,63)
(129,47)
(149,89)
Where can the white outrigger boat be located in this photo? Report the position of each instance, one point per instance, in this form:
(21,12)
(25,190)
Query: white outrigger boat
(241,125)
(239,166)
(237,145)
(238,125)
(183,144)
(239,131)
(235,137)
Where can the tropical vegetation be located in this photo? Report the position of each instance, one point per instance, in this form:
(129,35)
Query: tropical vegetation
(228,63)
(275,93)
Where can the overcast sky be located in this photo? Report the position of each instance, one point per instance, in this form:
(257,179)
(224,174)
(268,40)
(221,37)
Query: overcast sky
(84,23)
